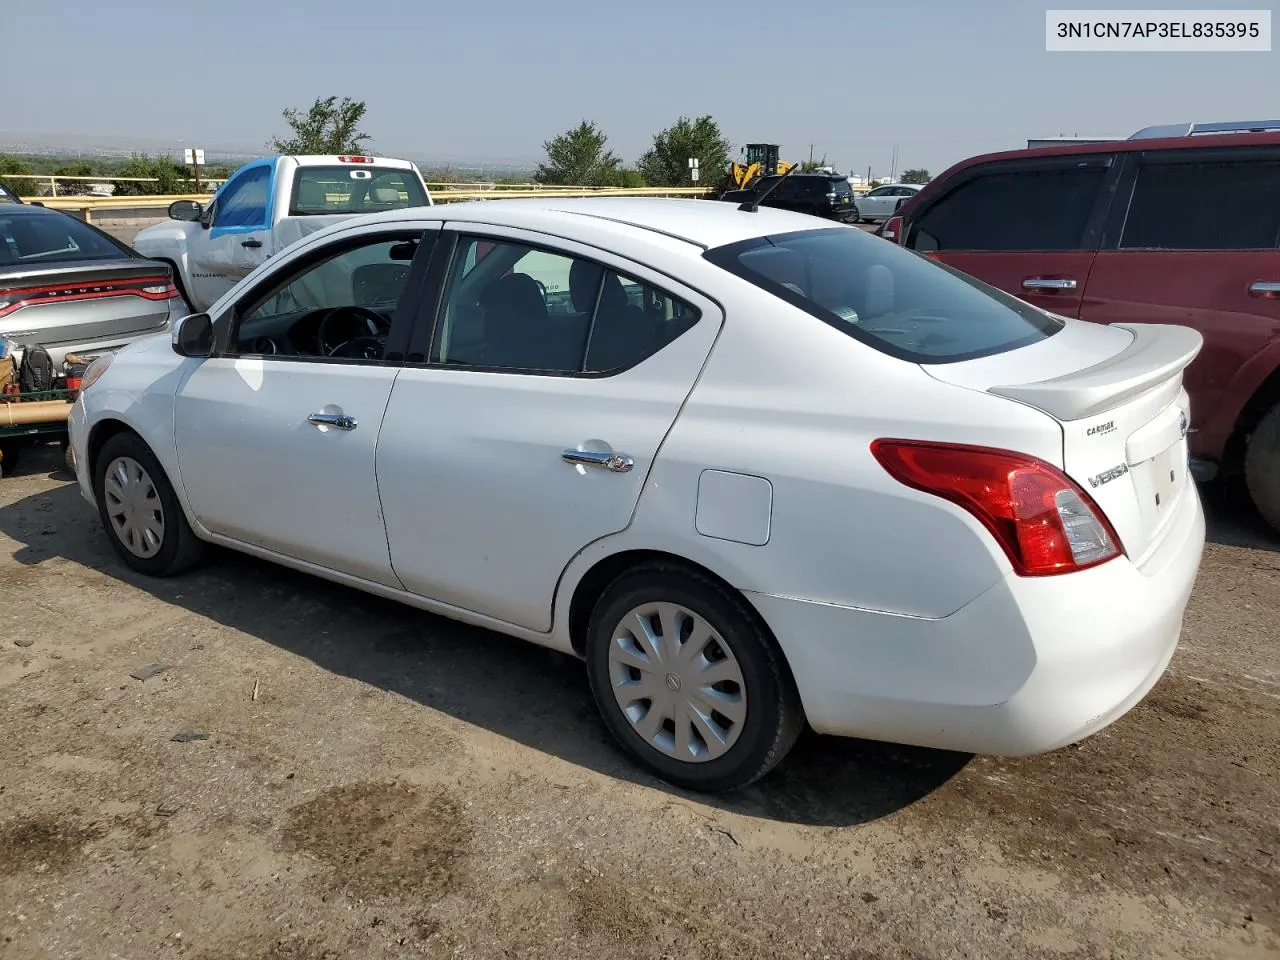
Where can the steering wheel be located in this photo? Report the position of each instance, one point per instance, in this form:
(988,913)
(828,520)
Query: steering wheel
(371,325)
(359,348)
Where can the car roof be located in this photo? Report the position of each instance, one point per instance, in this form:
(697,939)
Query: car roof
(33,210)
(335,160)
(702,223)
(1198,142)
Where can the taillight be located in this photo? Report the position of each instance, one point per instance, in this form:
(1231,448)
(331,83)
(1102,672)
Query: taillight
(892,227)
(355,159)
(149,288)
(1043,520)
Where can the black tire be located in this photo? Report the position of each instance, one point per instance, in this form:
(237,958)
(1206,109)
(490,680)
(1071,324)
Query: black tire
(774,716)
(855,217)
(1262,467)
(180,549)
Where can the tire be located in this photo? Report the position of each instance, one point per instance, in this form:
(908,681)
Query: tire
(855,217)
(1262,467)
(771,716)
(175,547)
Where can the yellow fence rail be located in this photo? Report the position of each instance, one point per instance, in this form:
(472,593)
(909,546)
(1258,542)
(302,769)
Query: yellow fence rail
(89,207)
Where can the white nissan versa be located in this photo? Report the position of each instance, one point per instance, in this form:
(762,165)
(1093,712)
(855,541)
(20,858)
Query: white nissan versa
(754,470)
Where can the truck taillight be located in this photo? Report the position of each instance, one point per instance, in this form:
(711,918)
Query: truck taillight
(355,159)
(1044,521)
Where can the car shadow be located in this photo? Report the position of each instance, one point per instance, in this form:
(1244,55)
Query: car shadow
(516,689)
(1233,521)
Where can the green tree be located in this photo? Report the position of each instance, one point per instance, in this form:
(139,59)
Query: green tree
(170,177)
(917,175)
(809,166)
(328,127)
(578,157)
(666,163)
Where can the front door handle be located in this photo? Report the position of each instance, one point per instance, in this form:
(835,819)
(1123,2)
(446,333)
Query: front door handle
(1056,283)
(250,243)
(613,462)
(339,421)
(1265,288)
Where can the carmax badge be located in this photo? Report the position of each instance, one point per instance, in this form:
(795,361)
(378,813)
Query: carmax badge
(1106,476)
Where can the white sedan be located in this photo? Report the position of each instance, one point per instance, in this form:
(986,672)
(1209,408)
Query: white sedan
(883,202)
(755,472)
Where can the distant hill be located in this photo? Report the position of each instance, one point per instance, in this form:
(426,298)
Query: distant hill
(88,147)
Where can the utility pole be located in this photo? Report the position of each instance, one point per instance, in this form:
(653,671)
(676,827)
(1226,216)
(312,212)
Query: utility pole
(811,154)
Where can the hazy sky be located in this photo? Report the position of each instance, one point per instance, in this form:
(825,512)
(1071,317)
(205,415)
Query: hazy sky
(493,79)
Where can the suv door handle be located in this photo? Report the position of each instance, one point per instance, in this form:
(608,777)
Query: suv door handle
(250,243)
(1265,288)
(1057,283)
(613,462)
(339,421)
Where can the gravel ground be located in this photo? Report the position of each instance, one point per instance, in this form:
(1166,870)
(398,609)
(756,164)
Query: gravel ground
(312,773)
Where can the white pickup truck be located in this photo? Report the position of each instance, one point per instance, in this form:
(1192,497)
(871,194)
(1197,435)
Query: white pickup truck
(264,207)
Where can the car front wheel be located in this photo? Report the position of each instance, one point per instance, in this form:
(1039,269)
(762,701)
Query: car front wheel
(140,511)
(688,680)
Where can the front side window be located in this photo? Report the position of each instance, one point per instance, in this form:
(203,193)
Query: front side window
(331,191)
(1215,205)
(1040,210)
(244,202)
(510,306)
(898,302)
(340,306)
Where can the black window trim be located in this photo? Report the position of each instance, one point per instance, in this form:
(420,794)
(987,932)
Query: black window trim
(726,257)
(228,323)
(428,322)
(1091,236)
(1134,161)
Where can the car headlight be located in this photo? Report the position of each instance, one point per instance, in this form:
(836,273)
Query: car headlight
(95,369)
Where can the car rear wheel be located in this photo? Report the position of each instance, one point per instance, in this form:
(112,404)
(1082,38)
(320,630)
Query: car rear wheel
(140,511)
(689,681)
(1262,467)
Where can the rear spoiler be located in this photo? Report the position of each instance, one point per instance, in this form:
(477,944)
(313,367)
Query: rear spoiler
(1159,351)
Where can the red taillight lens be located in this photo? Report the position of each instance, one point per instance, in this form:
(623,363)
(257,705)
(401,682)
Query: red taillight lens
(149,288)
(892,228)
(355,159)
(1043,520)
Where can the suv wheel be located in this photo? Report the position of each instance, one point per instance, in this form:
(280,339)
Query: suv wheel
(1262,467)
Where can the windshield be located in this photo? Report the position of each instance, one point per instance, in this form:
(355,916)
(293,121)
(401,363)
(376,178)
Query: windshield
(329,191)
(894,300)
(38,238)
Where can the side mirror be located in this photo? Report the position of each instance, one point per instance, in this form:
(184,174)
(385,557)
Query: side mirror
(192,336)
(185,210)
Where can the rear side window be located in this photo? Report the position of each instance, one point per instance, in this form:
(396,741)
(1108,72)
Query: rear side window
(53,236)
(1225,205)
(896,301)
(329,191)
(1042,210)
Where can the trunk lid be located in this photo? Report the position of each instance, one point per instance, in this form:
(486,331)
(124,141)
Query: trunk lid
(1116,393)
(67,303)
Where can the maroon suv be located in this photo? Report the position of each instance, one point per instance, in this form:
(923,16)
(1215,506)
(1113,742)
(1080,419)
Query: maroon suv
(1177,224)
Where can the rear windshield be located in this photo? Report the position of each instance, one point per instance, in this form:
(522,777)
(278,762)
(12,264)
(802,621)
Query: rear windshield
(841,187)
(326,191)
(38,238)
(894,300)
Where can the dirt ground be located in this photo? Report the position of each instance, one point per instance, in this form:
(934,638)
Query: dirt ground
(312,773)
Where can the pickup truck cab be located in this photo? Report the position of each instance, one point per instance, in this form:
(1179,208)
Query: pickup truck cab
(263,208)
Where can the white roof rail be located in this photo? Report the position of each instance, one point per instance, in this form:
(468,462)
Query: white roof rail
(1191,129)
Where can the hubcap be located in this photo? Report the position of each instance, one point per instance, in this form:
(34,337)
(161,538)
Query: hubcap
(133,506)
(677,682)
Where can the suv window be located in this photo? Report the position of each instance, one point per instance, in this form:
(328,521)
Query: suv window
(1214,205)
(1043,210)
(327,191)
(515,307)
(897,302)
(840,186)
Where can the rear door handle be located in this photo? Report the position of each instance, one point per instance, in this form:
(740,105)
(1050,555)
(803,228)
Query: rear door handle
(339,421)
(1056,283)
(250,243)
(1265,288)
(613,462)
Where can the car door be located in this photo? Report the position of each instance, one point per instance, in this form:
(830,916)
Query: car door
(1217,271)
(236,233)
(527,417)
(1029,227)
(275,436)
(875,203)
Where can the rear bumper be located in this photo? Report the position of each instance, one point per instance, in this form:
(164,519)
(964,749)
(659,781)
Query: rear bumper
(1030,666)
